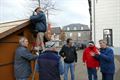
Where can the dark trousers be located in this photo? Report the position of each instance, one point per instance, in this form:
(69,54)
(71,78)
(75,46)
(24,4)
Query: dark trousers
(92,73)
(107,76)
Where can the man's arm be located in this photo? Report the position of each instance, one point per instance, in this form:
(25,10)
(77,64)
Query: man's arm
(37,18)
(27,55)
(109,57)
(96,56)
(62,51)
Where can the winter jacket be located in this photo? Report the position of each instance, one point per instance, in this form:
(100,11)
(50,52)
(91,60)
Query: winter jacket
(49,66)
(106,59)
(69,53)
(39,22)
(22,66)
(90,61)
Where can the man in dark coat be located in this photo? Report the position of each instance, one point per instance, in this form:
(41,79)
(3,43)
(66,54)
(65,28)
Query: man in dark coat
(106,58)
(23,56)
(68,52)
(49,63)
(39,23)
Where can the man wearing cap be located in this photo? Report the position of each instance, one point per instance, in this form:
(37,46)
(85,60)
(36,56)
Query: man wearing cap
(91,63)
(49,63)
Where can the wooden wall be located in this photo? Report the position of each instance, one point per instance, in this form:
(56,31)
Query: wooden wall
(8,46)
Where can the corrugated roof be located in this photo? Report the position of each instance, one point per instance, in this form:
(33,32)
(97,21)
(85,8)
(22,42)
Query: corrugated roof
(10,27)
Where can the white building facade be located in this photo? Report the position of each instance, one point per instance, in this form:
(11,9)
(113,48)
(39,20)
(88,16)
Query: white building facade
(106,22)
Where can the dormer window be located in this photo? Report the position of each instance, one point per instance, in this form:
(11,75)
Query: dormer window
(82,28)
(68,28)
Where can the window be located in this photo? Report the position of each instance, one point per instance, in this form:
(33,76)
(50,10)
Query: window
(68,28)
(70,34)
(107,35)
(75,28)
(82,28)
(79,34)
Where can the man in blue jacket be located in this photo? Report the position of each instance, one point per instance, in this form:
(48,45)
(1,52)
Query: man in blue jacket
(38,19)
(106,58)
(23,56)
(49,63)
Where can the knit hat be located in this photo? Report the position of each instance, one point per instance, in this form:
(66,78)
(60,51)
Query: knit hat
(91,42)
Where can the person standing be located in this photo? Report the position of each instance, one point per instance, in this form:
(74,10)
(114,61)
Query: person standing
(91,63)
(39,23)
(22,66)
(50,66)
(106,58)
(68,52)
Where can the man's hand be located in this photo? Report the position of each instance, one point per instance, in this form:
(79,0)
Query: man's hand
(37,53)
(97,68)
(83,63)
(92,53)
(98,52)
(34,13)
(75,65)
(64,57)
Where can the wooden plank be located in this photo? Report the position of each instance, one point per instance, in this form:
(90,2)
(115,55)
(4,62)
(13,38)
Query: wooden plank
(8,29)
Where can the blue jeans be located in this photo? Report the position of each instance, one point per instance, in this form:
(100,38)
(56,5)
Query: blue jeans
(92,73)
(66,68)
(107,76)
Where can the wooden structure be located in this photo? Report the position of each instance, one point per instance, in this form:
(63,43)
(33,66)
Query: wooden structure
(9,35)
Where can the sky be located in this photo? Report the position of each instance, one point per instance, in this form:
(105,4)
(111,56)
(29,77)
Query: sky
(11,10)
(69,11)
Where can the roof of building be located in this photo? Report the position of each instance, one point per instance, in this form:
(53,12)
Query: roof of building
(56,30)
(10,27)
(75,27)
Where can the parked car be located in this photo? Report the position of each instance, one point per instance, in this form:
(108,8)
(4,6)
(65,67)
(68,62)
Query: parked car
(81,45)
(77,45)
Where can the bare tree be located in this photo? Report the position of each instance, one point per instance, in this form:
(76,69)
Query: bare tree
(47,5)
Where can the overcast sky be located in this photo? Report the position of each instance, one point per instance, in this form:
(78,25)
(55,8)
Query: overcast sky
(70,11)
(11,10)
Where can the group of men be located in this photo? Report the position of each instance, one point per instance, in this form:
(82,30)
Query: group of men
(49,64)
(94,58)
